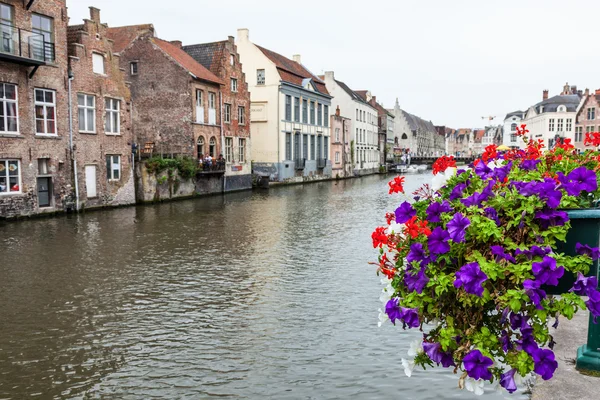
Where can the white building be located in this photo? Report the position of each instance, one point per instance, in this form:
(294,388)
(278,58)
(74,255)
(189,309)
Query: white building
(289,114)
(554,117)
(415,135)
(511,122)
(365,137)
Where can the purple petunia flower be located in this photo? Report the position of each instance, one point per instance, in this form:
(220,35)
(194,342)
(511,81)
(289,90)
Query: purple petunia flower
(502,172)
(547,272)
(404,213)
(435,210)
(507,381)
(416,253)
(545,364)
(392,309)
(477,365)
(527,342)
(435,353)
(547,191)
(593,304)
(416,282)
(529,165)
(518,321)
(457,192)
(535,251)
(457,227)
(500,254)
(471,278)
(505,341)
(585,250)
(532,289)
(583,285)
(410,317)
(492,214)
(584,178)
(438,241)
(555,324)
(548,218)
(483,171)
(504,316)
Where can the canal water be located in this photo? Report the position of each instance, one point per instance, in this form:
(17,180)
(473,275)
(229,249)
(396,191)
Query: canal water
(254,295)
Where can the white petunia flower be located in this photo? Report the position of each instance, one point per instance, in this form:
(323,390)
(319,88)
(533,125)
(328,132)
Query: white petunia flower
(408,367)
(441,178)
(475,386)
(382,318)
(415,348)
(395,228)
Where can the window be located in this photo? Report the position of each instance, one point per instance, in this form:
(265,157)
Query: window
(134,68)
(312,147)
(227,115)
(569,124)
(326,147)
(98,63)
(319,114)
(305,147)
(579,134)
(241,115)
(200,147)
(357,115)
(337,157)
(337,134)
(590,128)
(297,109)
(44,27)
(86,105)
(113,120)
(591,114)
(113,167)
(304,111)
(551,125)
(212,112)
(260,76)
(9,119)
(288,146)
(43,166)
(297,154)
(229,149)
(242,150)
(212,147)
(10,177)
(312,112)
(326,114)
(513,127)
(233,85)
(232,59)
(288,107)
(559,126)
(199,107)
(513,138)
(45,112)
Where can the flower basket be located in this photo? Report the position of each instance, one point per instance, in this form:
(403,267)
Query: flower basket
(473,261)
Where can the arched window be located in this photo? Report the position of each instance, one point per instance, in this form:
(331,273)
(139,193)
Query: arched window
(212,147)
(200,147)
(513,127)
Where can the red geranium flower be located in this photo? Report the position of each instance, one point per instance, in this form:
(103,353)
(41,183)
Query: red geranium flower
(443,163)
(397,185)
(379,237)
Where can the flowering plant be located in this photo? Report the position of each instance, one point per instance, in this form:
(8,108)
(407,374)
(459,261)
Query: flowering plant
(468,262)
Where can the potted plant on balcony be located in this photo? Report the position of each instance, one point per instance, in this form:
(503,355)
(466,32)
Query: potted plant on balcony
(472,258)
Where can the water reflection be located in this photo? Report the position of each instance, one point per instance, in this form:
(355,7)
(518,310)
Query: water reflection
(261,294)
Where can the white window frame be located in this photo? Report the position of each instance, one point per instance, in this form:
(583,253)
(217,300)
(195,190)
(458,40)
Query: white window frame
(110,110)
(86,108)
(4,172)
(232,59)
(110,174)
(227,113)
(551,125)
(229,149)
(234,85)
(96,57)
(337,157)
(241,115)
(212,111)
(337,134)
(44,104)
(137,67)
(5,102)
(242,150)
(260,80)
(199,106)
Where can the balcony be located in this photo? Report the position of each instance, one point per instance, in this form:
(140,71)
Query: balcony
(299,164)
(24,47)
(321,163)
(214,168)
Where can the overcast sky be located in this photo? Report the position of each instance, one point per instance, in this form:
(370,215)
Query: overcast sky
(448,61)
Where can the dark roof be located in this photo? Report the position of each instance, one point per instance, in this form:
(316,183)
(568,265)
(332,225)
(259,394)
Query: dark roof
(122,36)
(418,123)
(293,72)
(350,92)
(571,101)
(362,94)
(207,54)
(518,113)
(186,61)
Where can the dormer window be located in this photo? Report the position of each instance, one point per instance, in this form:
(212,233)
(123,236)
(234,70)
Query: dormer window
(562,109)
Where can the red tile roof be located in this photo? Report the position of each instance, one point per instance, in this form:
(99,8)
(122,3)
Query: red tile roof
(122,36)
(293,72)
(186,61)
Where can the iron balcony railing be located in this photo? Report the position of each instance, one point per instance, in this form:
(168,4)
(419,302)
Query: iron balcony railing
(21,43)
(300,163)
(321,163)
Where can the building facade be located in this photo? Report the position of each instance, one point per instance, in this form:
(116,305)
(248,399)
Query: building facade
(511,122)
(35,160)
(587,118)
(460,142)
(101,110)
(289,114)
(365,144)
(417,137)
(223,60)
(341,162)
(385,127)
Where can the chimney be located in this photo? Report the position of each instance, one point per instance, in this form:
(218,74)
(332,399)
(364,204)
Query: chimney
(95,14)
(574,89)
(368,96)
(243,35)
(297,58)
(337,111)
(329,75)
(374,99)
(587,92)
(231,39)
(177,43)
(545,95)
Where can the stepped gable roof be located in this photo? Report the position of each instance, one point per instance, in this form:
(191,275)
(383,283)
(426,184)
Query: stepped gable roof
(207,54)
(186,61)
(571,101)
(72,31)
(350,92)
(293,72)
(122,36)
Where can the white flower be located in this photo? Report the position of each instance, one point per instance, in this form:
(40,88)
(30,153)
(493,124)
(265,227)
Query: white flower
(382,318)
(408,367)
(441,178)
(415,348)
(495,164)
(385,295)
(475,386)
(395,228)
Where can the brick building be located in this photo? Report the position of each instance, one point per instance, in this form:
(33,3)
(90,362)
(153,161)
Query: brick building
(587,118)
(222,59)
(35,171)
(341,161)
(101,108)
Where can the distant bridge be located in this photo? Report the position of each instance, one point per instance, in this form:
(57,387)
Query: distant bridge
(427,160)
